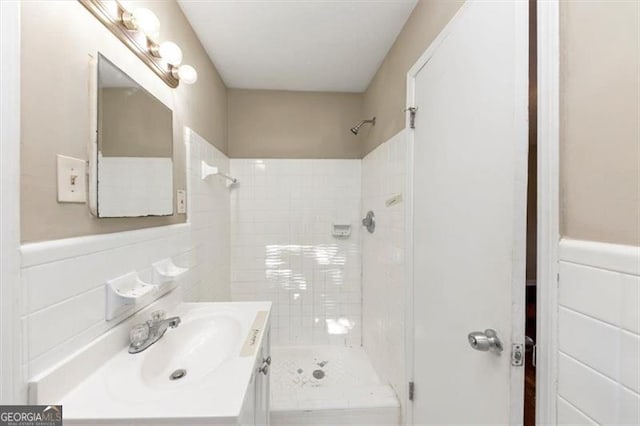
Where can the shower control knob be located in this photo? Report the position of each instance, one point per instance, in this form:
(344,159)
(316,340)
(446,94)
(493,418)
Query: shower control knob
(369,222)
(264,369)
(485,341)
(267,360)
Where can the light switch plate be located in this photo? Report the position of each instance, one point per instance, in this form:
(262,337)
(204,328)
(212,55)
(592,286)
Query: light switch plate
(182,201)
(72,180)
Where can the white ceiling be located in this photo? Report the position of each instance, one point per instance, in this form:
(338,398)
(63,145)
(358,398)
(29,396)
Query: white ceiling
(315,45)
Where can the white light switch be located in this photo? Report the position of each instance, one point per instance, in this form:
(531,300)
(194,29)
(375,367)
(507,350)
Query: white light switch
(182,201)
(72,180)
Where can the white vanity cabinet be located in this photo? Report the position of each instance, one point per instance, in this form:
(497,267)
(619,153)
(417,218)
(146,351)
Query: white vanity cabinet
(255,409)
(262,384)
(222,347)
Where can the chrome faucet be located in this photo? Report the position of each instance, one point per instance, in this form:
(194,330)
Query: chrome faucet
(146,334)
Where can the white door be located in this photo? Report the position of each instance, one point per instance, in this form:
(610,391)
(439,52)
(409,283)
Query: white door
(469,195)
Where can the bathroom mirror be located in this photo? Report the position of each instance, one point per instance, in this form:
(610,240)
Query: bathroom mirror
(134,148)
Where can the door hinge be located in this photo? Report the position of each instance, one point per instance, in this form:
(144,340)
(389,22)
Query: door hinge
(517,355)
(412,388)
(412,116)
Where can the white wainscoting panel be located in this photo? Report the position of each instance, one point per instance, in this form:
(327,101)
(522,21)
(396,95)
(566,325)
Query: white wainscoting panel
(282,250)
(384,279)
(568,414)
(64,296)
(599,334)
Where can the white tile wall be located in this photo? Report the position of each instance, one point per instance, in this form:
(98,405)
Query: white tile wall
(208,204)
(599,335)
(570,415)
(383,177)
(283,251)
(63,300)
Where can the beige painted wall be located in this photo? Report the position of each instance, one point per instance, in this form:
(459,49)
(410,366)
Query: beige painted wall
(386,95)
(600,120)
(600,171)
(600,109)
(57,39)
(282,124)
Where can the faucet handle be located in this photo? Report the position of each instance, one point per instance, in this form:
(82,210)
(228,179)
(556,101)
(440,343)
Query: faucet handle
(139,334)
(157,316)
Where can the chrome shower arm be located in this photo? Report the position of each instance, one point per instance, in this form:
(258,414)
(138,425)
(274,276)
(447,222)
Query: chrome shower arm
(356,129)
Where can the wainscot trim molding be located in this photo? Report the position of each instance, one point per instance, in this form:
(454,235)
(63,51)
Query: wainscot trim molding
(613,257)
(55,250)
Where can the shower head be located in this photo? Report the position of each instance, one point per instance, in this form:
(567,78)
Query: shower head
(356,129)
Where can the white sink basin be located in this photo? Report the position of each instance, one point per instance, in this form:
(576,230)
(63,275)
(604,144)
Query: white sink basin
(198,346)
(209,344)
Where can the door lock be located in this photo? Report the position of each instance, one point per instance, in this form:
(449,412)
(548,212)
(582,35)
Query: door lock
(485,341)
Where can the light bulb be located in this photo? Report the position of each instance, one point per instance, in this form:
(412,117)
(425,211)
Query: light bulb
(147,22)
(170,52)
(186,74)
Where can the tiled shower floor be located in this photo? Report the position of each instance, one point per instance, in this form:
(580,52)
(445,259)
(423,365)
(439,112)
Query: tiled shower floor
(316,384)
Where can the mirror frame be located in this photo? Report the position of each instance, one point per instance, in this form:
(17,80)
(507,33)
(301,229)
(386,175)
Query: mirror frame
(92,148)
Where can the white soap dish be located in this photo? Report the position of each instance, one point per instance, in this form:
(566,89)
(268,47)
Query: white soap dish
(341,230)
(166,271)
(125,291)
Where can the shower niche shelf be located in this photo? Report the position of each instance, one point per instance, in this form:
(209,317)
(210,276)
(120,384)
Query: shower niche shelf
(340,230)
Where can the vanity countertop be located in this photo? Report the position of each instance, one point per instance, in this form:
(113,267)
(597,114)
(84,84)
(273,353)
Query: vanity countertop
(215,343)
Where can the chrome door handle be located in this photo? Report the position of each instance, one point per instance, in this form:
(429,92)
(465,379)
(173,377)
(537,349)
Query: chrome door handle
(485,341)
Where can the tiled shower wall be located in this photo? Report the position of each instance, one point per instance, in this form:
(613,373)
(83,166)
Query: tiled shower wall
(383,271)
(283,250)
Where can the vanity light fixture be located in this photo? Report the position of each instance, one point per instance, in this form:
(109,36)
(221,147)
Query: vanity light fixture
(142,20)
(139,30)
(147,22)
(185,73)
(170,52)
(129,21)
